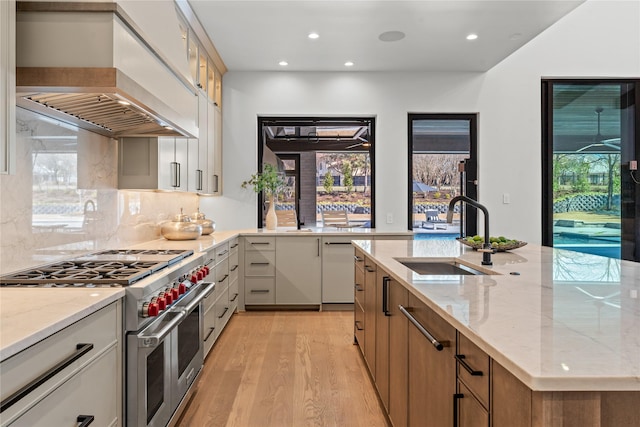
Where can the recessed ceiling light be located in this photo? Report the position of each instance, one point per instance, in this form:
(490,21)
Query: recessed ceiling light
(348,64)
(391,36)
(283,63)
(313,35)
(472,36)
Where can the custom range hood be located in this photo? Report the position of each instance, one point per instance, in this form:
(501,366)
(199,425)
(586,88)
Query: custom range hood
(101,100)
(90,65)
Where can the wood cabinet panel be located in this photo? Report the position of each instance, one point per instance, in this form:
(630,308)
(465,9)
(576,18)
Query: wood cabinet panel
(432,373)
(470,412)
(479,362)
(371,287)
(382,337)
(510,399)
(398,355)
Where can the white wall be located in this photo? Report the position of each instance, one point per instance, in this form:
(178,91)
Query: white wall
(599,38)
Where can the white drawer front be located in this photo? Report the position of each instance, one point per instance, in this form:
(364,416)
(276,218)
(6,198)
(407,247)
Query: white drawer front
(233,294)
(260,243)
(221,251)
(92,391)
(101,329)
(259,290)
(222,275)
(260,264)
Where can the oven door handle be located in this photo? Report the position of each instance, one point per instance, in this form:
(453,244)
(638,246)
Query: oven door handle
(198,298)
(154,339)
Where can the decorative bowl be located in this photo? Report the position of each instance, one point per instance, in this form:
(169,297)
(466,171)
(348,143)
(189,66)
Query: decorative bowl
(513,244)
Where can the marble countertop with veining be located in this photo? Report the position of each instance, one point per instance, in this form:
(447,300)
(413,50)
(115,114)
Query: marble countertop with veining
(556,319)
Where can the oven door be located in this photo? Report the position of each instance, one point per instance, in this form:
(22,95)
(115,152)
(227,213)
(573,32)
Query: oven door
(189,341)
(150,400)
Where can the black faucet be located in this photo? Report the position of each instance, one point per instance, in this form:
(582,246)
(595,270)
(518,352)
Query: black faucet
(486,247)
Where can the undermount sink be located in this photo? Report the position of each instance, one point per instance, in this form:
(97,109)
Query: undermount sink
(440,268)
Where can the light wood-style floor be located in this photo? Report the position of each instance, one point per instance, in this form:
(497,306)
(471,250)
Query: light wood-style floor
(285,369)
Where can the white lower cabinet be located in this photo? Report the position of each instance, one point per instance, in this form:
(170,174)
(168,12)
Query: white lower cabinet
(88,383)
(298,270)
(337,269)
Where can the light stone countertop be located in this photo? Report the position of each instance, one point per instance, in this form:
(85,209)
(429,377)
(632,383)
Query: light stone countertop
(28,316)
(568,321)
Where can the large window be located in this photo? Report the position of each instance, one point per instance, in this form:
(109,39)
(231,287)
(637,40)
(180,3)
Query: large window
(328,164)
(590,190)
(442,165)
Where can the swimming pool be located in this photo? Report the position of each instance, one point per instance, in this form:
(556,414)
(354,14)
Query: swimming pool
(608,246)
(435,236)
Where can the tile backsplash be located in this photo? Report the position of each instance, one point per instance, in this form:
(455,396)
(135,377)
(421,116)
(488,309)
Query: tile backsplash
(63,199)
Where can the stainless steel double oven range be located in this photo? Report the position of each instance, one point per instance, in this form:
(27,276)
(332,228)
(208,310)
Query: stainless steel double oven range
(163,321)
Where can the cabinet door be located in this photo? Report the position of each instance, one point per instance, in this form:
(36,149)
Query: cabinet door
(432,373)
(198,164)
(138,163)
(298,270)
(511,400)
(172,163)
(215,146)
(337,270)
(382,337)
(398,356)
(370,313)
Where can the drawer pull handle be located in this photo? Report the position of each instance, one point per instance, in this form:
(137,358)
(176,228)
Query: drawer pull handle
(223,313)
(222,253)
(234,297)
(235,245)
(358,327)
(461,359)
(337,243)
(357,258)
(85,420)
(259,291)
(358,288)
(209,334)
(81,350)
(456,396)
(369,269)
(385,295)
(234,268)
(223,279)
(260,243)
(259,263)
(438,345)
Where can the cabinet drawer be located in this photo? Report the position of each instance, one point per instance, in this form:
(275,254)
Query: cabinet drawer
(470,412)
(259,290)
(259,263)
(234,269)
(92,391)
(359,259)
(233,294)
(209,300)
(477,361)
(209,329)
(99,329)
(260,243)
(359,287)
(222,275)
(221,251)
(233,246)
(359,326)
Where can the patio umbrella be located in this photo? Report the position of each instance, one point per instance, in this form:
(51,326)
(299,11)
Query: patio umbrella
(421,187)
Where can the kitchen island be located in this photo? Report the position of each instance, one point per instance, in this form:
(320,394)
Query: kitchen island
(564,325)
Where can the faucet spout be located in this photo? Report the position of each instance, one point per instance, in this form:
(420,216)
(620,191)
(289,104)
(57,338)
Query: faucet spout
(486,247)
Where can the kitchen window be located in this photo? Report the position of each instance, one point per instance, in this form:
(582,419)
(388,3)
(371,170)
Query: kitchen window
(328,162)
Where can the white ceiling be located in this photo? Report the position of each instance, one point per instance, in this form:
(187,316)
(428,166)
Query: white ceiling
(256,35)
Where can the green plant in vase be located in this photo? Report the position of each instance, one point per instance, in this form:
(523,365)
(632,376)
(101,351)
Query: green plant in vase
(270,182)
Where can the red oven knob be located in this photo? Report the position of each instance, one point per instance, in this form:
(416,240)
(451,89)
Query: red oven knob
(153,309)
(175,294)
(161,302)
(206,270)
(193,279)
(168,298)
(200,275)
(182,288)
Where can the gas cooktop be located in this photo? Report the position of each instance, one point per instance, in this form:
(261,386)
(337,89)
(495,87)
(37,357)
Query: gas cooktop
(102,269)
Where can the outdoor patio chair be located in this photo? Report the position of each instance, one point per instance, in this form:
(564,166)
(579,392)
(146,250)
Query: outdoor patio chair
(287,218)
(433,221)
(338,219)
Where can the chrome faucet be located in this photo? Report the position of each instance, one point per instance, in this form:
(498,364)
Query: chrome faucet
(486,247)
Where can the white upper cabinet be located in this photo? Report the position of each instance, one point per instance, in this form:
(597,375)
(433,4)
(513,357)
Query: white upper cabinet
(7,86)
